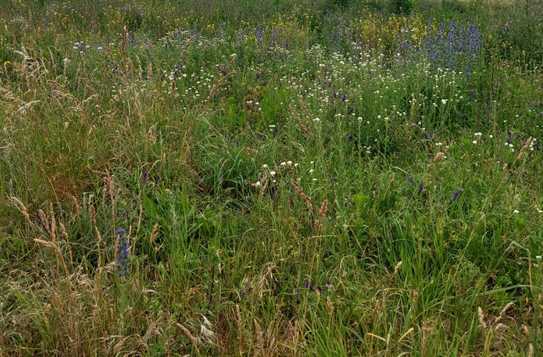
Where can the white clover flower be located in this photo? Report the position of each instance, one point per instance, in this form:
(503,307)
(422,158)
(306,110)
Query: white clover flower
(272,173)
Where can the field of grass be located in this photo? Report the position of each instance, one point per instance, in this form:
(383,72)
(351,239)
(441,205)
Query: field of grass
(271,177)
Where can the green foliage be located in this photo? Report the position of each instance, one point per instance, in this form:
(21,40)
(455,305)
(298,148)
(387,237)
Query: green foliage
(209,177)
(402,6)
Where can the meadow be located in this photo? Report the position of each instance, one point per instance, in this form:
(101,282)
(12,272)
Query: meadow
(271,177)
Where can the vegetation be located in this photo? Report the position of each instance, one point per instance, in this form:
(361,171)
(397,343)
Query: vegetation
(225,177)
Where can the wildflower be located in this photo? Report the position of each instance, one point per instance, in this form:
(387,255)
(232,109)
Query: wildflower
(444,101)
(259,34)
(516,211)
(316,120)
(258,184)
(272,173)
(122,253)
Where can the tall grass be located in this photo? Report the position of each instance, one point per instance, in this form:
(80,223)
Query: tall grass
(270,178)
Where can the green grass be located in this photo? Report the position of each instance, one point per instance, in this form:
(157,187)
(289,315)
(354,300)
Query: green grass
(294,177)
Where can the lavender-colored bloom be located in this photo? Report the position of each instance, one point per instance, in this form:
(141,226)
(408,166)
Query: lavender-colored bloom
(454,45)
(122,253)
(452,36)
(259,34)
(474,39)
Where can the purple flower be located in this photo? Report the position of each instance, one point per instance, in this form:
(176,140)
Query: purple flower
(454,45)
(122,252)
(259,34)
(474,39)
